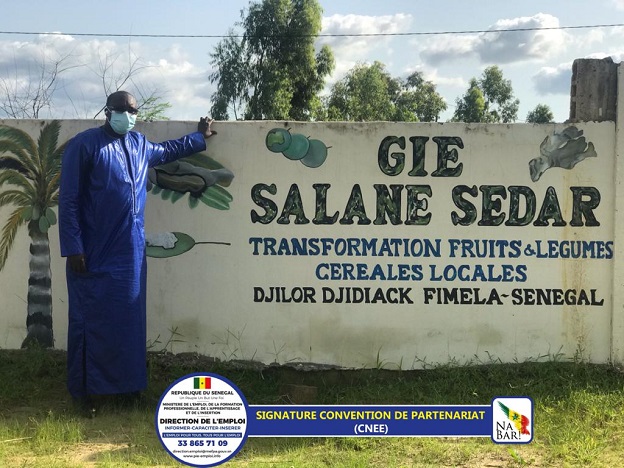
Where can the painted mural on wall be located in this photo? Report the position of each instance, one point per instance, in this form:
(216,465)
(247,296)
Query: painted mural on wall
(29,177)
(409,204)
(297,147)
(564,149)
(29,185)
(204,180)
(403,244)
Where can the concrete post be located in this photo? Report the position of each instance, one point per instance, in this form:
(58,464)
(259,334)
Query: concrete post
(617,321)
(593,93)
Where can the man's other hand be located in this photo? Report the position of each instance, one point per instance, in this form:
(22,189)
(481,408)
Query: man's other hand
(204,127)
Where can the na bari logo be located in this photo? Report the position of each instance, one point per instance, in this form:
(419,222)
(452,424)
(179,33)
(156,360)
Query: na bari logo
(512,420)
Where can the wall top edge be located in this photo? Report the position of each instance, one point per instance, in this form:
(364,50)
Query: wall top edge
(324,123)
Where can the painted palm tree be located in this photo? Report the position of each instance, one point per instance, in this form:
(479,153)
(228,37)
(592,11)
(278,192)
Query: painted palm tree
(29,182)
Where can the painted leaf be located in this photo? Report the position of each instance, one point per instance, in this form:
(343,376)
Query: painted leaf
(220,196)
(27,213)
(183,244)
(202,160)
(175,196)
(221,193)
(215,202)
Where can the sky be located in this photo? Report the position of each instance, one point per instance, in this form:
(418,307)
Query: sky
(537,62)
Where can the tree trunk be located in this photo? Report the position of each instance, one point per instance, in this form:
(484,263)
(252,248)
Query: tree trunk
(39,306)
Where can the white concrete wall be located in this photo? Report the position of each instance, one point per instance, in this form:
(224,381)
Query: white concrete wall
(207,294)
(617,320)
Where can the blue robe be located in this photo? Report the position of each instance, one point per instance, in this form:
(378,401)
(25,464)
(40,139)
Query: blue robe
(101,208)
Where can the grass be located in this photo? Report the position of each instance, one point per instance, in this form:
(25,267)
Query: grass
(579,410)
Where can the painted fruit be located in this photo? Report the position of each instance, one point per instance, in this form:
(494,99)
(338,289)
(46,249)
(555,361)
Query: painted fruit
(278,140)
(299,146)
(316,155)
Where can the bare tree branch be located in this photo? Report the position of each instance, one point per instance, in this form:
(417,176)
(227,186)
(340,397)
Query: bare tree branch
(115,78)
(27,98)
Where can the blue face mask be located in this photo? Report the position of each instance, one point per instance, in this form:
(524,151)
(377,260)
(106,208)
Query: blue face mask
(122,122)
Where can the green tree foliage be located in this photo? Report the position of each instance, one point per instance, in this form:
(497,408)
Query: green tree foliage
(421,98)
(368,93)
(273,71)
(541,114)
(153,109)
(364,94)
(488,99)
(471,107)
(231,78)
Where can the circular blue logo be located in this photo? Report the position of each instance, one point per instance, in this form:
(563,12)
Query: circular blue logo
(202,420)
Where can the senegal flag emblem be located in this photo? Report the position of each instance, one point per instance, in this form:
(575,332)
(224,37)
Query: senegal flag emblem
(520,421)
(202,383)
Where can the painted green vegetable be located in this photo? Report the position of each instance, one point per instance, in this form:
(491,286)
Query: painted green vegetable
(44,224)
(51,216)
(298,148)
(173,180)
(316,155)
(278,140)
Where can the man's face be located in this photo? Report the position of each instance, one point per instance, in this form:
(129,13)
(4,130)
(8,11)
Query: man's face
(122,103)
